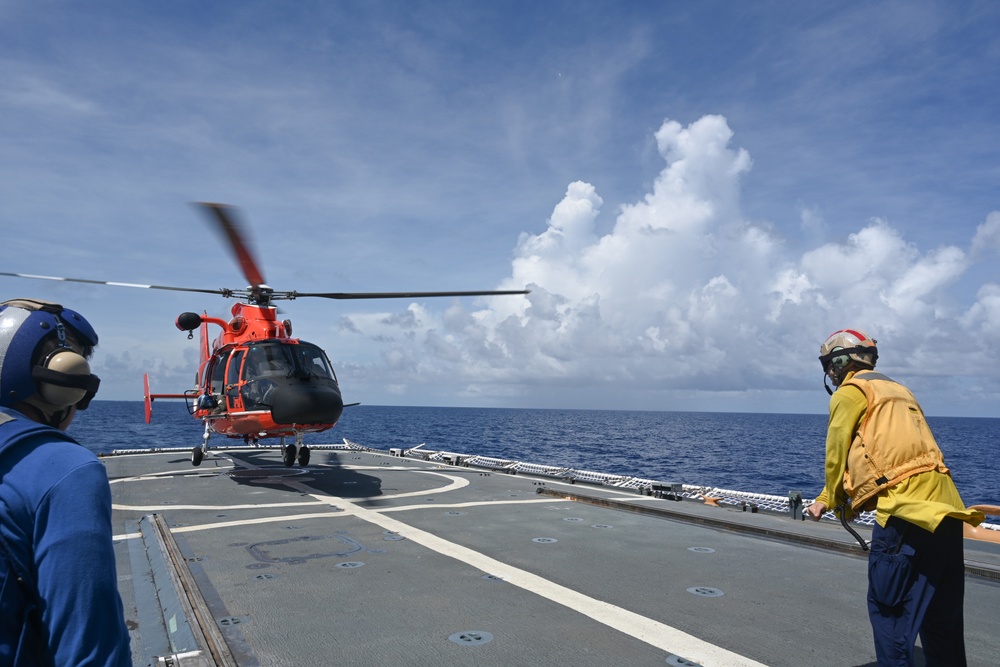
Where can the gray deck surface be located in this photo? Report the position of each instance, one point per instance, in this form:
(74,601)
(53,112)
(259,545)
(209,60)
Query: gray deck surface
(366,559)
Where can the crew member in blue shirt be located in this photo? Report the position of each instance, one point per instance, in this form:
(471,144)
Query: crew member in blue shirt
(59,601)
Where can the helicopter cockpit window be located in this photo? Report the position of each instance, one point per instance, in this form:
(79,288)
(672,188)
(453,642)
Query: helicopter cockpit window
(313,361)
(268,360)
(267,365)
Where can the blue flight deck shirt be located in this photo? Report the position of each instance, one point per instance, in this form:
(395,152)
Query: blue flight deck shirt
(55,518)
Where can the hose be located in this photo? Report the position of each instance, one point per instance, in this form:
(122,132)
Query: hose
(841,512)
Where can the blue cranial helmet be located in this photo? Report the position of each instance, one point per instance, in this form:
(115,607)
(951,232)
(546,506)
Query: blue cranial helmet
(62,378)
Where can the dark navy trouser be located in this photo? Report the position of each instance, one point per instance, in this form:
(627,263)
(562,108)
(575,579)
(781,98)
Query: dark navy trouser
(916,584)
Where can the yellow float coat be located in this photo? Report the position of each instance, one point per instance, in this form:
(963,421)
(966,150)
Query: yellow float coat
(906,474)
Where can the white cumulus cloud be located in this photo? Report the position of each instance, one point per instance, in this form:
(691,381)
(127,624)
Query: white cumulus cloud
(685,294)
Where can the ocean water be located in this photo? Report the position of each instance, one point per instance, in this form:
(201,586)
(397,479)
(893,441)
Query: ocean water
(762,453)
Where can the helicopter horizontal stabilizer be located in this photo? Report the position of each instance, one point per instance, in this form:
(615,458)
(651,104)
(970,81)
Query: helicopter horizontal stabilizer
(148,398)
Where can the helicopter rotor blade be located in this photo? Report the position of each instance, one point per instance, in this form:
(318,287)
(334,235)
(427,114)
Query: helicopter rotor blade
(226,221)
(234,232)
(401,295)
(223,292)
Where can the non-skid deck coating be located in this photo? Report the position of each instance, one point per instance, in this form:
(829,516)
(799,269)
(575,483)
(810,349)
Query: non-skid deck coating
(368,559)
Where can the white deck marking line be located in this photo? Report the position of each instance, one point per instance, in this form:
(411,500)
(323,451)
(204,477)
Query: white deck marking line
(166,473)
(259,520)
(654,633)
(251,506)
(456,483)
(291,517)
(473,503)
(237,524)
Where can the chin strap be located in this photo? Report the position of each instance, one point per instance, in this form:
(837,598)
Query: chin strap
(58,418)
(840,373)
(46,414)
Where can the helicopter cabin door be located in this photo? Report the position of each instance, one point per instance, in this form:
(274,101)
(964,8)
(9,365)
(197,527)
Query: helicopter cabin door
(234,401)
(215,375)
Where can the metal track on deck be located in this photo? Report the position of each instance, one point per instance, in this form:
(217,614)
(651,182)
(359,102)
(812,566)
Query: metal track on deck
(185,633)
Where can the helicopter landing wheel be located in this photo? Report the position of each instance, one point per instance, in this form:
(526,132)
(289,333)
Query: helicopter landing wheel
(197,454)
(288,455)
(303,456)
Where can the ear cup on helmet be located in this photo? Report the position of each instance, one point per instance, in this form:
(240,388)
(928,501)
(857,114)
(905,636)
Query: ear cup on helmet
(43,351)
(65,362)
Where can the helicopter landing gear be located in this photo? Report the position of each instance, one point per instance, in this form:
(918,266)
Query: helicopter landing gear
(298,450)
(198,453)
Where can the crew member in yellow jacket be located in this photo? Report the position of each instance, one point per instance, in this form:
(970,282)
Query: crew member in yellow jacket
(881,455)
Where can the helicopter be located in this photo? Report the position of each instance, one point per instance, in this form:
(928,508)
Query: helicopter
(256,381)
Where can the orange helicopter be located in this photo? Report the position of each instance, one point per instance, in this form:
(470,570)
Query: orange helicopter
(255,381)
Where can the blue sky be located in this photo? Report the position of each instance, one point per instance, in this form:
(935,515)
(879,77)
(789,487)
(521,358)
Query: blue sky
(697,193)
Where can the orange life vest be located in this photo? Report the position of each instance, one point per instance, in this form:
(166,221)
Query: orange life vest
(893,441)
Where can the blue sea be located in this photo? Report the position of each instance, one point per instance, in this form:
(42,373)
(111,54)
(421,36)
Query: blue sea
(761,453)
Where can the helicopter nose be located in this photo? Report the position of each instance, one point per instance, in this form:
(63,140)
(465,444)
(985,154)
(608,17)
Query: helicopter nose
(306,404)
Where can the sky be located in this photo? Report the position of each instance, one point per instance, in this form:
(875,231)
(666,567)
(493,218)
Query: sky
(696,193)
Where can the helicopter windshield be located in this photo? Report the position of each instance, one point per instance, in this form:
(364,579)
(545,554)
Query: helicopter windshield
(268,360)
(270,364)
(273,359)
(313,361)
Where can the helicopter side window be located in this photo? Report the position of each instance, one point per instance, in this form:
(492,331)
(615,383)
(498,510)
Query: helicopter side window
(233,374)
(233,378)
(218,373)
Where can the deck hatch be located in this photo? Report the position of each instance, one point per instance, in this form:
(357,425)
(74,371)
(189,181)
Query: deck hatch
(471,638)
(298,550)
(678,661)
(705,591)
